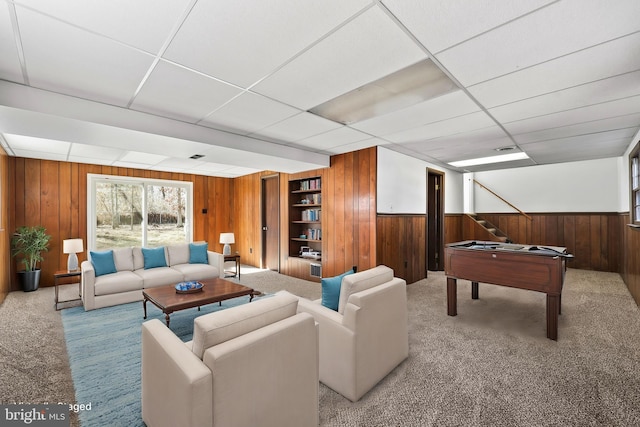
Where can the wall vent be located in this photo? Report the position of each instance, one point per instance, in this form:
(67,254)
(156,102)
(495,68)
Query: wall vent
(315,270)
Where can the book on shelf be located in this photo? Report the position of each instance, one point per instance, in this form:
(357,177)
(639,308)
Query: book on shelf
(310,184)
(311,215)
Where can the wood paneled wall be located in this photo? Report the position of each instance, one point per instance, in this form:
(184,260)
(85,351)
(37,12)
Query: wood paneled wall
(593,238)
(54,194)
(402,245)
(453,228)
(349,212)
(5,231)
(247,228)
(630,270)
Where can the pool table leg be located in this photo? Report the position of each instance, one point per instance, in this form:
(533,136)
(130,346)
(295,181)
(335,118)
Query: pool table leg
(452,296)
(553,309)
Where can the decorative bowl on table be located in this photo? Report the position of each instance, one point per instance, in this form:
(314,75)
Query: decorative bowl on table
(189,287)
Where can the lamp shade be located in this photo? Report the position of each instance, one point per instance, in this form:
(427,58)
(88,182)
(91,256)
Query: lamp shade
(227,238)
(72,246)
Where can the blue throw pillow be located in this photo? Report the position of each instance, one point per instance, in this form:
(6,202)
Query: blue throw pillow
(103,262)
(331,290)
(154,257)
(198,253)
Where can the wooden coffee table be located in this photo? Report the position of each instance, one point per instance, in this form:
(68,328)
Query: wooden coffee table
(215,290)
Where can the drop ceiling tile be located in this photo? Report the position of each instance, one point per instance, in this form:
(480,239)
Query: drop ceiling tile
(95,151)
(142,158)
(575,149)
(559,29)
(590,113)
(10,65)
(443,107)
(579,68)
(298,127)
(89,66)
(344,61)
(333,138)
(593,138)
(131,165)
(40,155)
(91,160)
(182,94)
(440,24)
(355,146)
(578,96)
(21,142)
(447,127)
(631,121)
(145,24)
(242,43)
(248,113)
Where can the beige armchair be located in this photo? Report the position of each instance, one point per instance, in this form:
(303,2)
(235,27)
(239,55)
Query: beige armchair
(367,337)
(251,365)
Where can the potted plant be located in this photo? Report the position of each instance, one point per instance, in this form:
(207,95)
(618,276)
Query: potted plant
(28,243)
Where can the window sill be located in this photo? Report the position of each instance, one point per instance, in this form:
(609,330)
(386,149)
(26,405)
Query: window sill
(633,225)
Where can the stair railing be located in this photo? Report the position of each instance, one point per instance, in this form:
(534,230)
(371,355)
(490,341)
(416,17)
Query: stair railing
(492,192)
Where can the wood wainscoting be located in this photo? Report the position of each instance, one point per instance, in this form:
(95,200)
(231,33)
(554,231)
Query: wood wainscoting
(402,245)
(54,194)
(630,270)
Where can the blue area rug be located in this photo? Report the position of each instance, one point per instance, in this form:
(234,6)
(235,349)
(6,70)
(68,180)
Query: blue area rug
(104,354)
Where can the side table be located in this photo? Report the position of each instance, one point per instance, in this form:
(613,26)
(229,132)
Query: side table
(235,273)
(58,276)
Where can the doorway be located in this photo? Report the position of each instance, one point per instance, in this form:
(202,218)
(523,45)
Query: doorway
(435,220)
(271,222)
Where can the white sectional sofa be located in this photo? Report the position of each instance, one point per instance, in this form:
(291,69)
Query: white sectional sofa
(133,269)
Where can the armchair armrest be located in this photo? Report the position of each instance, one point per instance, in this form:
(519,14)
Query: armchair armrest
(337,346)
(176,385)
(217,260)
(87,283)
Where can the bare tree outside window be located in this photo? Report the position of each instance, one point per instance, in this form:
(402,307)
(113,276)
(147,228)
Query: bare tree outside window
(122,218)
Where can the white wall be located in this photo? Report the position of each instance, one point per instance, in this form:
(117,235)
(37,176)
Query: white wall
(623,179)
(402,184)
(586,186)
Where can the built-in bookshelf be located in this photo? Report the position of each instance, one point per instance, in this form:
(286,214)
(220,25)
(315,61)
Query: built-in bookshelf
(305,219)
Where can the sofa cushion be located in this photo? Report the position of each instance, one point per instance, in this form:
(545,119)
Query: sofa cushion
(118,282)
(178,254)
(154,257)
(123,259)
(197,271)
(364,280)
(159,276)
(138,259)
(103,262)
(198,253)
(331,290)
(215,328)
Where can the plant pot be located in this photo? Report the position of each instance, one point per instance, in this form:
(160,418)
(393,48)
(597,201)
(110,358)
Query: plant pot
(29,280)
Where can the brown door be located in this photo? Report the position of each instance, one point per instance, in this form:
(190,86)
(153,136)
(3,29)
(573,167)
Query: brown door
(271,223)
(435,220)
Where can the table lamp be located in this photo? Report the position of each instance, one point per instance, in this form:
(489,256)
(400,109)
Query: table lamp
(72,247)
(227,239)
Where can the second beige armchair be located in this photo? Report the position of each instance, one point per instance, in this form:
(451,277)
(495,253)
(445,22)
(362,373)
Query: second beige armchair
(367,337)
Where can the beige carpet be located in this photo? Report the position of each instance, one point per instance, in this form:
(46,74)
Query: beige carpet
(491,365)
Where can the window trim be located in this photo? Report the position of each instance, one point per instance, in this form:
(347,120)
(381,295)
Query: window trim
(634,154)
(93,179)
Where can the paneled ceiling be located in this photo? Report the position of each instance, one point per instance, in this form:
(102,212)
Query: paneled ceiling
(150,83)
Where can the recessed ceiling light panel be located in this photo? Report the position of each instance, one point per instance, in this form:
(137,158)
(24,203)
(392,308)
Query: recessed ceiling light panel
(404,88)
(491,159)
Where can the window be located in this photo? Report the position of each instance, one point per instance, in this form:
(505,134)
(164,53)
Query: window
(634,166)
(126,211)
